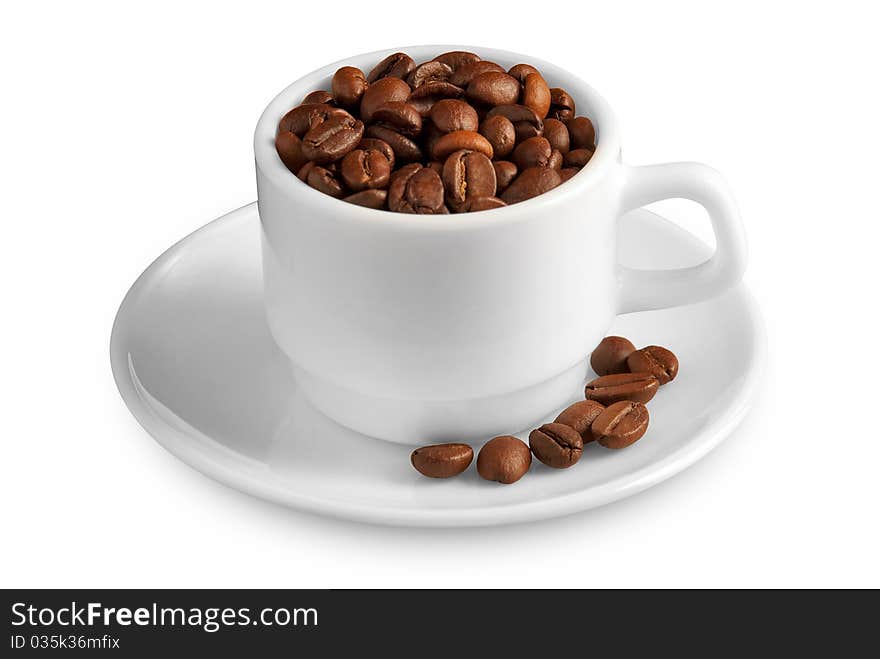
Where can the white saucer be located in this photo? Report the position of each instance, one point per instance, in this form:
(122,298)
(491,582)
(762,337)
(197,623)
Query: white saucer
(195,364)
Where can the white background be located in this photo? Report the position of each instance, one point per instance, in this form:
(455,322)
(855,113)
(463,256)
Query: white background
(125,128)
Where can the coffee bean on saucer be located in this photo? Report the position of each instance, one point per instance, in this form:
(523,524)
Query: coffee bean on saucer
(621,424)
(442,460)
(567,172)
(636,387)
(580,416)
(582,133)
(610,355)
(504,459)
(656,360)
(556,445)
(396,65)
(530,183)
(348,85)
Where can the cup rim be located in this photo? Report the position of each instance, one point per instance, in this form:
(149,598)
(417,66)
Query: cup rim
(269,164)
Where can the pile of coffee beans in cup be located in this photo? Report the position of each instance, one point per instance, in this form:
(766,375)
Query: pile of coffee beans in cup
(613,414)
(452,135)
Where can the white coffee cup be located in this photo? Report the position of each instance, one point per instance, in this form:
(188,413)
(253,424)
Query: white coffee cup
(424,328)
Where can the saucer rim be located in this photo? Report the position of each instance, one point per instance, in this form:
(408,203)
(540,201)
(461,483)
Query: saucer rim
(180,444)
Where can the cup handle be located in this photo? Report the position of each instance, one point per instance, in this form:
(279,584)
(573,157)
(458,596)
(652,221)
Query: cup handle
(641,290)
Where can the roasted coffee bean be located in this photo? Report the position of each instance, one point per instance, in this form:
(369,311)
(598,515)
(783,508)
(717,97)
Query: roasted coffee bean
(319,96)
(437,89)
(520,71)
(442,460)
(368,198)
(457,58)
(463,75)
(324,181)
(303,118)
(556,445)
(530,183)
(349,85)
(534,152)
(621,424)
(385,90)
(567,172)
(397,65)
(379,145)
(461,139)
(400,116)
(289,148)
(416,189)
(525,122)
(578,157)
(467,175)
(608,389)
(557,134)
(427,72)
(361,134)
(561,105)
(450,114)
(333,138)
(493,88)
(656,360)
(536,94)
(405,149)
(525,131)
(505,172)
(504,459)
(482,204)
(362,169)
(583,135)
(580,417)
(423,105)
(303,173)
(610,355)
(500,133)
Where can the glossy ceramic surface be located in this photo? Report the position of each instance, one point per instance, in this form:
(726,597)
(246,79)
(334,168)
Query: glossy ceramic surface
(195,363)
